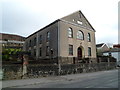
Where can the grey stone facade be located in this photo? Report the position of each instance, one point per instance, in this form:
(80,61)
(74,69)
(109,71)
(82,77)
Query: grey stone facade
(59,42)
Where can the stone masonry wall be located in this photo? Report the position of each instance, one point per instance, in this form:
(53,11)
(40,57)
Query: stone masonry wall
(36,70)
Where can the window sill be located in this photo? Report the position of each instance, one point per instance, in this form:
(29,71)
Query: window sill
(80,39)
(70,55)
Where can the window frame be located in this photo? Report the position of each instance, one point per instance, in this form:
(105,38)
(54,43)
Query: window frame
(70,32)
(70,50)
(88,37)
(48,36)
(79,35)
(40,39)
(89,51)
(35,41)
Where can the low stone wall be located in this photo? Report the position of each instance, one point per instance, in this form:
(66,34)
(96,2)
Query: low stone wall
(35,71)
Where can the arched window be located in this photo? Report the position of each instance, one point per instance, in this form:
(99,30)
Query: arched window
(35,41)
(89,37)
(80,35)
(70,32)
(48,36)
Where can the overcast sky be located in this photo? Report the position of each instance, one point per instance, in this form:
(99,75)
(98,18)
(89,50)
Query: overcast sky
(24,17)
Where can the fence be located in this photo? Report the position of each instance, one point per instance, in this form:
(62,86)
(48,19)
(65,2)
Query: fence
(35,71)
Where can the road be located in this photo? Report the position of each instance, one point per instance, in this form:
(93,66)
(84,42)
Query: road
(101,79)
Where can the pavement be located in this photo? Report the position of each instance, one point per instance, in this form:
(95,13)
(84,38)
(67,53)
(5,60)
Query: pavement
(50,79)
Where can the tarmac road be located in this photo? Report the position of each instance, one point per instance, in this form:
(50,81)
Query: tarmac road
(101,79)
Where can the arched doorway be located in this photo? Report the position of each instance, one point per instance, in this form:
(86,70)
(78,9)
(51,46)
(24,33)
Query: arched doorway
(79,53)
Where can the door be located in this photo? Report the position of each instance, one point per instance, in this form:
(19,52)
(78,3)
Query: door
(79,53)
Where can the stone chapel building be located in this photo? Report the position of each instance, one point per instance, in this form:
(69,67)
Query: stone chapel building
(66,40)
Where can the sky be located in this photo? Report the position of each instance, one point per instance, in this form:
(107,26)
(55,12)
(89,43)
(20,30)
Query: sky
(24,17)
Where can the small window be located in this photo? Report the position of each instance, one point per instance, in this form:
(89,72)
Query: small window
(47,50)
(35,41)
(40,39)
(48,36)
(70,32)
(40,52)
(70,49)
(80,35)
(79,22)
(89,51)
(89,37)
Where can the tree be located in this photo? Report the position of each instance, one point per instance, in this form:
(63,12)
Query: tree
(10,54)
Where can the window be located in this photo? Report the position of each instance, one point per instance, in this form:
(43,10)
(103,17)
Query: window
(47,50)
(40,39)
(89,51)
(88,37)
(80,35)
(70,32)
(40,52)
(35,41)
(70,49)
(30,43)
(48,36)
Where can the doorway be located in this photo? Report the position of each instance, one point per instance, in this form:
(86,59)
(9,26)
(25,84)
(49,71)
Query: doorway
(79,51)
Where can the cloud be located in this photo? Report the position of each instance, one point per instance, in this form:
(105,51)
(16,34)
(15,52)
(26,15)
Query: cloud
(24,17)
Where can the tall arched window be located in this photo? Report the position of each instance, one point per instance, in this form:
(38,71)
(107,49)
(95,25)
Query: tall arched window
(35,41)
(88,37)
(70,32)
(80,35)
(48,36)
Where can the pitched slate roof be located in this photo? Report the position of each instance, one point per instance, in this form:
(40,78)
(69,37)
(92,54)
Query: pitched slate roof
(99,45)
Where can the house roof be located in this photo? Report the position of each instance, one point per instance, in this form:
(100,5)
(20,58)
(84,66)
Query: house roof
(116,46)
(100,45)
(5,36)
(43,28)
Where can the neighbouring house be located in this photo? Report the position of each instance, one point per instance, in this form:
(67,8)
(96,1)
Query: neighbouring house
(101,48)
(116,46)
(114,52)
(67,40)
(11,47)
(11,41)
